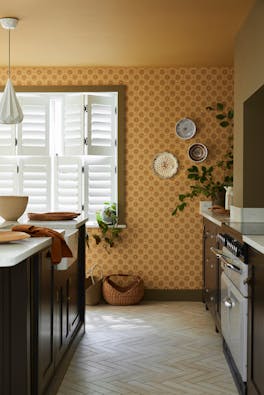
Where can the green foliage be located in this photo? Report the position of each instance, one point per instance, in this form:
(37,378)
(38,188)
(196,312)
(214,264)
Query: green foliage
(108,226)
(205,182)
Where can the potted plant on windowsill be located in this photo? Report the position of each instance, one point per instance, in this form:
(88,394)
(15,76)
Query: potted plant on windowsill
(207,180)
(107,221)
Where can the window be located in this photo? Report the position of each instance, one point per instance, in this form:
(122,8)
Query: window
(68,153)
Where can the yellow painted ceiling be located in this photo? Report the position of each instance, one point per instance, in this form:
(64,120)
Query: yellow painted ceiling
(122,32)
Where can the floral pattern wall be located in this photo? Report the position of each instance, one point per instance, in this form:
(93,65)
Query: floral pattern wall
(166,251)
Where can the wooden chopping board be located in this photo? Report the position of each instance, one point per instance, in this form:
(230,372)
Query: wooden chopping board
(54,216)
(8,235)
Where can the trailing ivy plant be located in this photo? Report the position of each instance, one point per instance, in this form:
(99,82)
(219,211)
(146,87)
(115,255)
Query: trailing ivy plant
(205,180)
(109,231)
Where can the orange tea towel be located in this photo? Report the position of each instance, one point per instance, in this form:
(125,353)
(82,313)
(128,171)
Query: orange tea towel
(59,248)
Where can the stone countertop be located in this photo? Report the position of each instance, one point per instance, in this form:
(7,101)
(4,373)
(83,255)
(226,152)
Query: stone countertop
(17,251)
(217,219)
(256,241)
(67,224)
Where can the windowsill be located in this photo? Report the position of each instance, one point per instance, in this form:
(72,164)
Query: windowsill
(93,224)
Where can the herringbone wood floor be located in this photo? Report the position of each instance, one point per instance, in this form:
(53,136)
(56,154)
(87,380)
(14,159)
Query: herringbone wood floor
(156,348)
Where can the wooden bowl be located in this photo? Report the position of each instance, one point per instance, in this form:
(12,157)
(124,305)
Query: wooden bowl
(12,207)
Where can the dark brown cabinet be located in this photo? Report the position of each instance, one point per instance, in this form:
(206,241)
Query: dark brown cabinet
(256,323)
(44,307)
(66,307)
(211,271)
(15,330)
(41,321)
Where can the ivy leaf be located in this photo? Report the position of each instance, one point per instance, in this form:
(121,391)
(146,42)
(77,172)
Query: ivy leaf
(181,197)
(174,211)
(224,124)
(97,239)
(209,108)
(109,241)
(193,169)
(193,176)
(230,114)
(220,116)
(219,106)
(181,206)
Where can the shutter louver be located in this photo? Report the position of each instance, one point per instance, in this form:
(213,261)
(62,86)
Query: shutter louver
(35,176)
(73,133)
(68,184)
(99,184)
(8,176)
(101,125)
(33,132)
(7,139)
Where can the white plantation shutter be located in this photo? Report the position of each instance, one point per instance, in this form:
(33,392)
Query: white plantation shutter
(101,125)
(73,125)
(35,182)
(8,176)
(99,184)
(7,139)
(68,184)
(33,132)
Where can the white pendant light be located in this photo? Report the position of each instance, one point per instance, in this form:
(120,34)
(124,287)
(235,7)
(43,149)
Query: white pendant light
(10,110)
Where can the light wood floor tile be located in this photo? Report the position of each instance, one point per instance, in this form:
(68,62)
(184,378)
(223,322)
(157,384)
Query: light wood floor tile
(155,348)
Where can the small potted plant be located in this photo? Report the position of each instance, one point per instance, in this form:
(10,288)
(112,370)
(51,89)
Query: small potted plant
(109,231)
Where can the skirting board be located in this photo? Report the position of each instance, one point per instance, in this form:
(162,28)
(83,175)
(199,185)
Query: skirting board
(194,295)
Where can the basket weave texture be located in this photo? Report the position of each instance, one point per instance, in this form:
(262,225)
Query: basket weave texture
(118,295)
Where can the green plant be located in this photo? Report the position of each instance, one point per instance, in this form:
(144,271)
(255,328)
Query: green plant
(206,180)
(109,231)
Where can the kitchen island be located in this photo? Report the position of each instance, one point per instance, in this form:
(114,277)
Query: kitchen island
(41,312)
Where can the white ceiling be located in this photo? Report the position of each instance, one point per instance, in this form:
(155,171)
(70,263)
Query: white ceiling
(122,32)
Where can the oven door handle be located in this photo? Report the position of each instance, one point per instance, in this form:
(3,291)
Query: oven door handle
(225,259)
(220,255)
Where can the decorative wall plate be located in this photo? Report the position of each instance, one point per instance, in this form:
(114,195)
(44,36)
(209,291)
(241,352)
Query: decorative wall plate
(185,128)
(197,152)
(165,165)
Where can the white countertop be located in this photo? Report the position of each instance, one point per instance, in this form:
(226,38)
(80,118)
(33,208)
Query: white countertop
(68,224)
(256,242)
(218,219)
(16,251)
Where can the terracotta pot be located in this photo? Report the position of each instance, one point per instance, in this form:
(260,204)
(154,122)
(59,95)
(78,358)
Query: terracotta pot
(219,199)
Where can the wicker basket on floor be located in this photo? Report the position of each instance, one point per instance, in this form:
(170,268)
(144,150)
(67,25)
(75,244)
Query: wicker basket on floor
(118,295)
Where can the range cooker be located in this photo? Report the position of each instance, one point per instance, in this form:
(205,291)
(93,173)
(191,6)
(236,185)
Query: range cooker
(234,294)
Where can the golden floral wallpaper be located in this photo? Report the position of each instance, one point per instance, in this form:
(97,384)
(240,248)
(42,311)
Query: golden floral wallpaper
(166,251)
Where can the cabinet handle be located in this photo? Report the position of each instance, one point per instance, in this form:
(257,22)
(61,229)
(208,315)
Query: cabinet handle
(228,303)
(212,298)
(212,266)
(69,298)
(212,236)
(207,290)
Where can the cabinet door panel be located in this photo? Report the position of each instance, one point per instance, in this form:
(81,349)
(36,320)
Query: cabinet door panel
(211,271)
(73,297)
(256,324)
(45,326)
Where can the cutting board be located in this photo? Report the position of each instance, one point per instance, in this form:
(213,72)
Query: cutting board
(8,235)
(54,216)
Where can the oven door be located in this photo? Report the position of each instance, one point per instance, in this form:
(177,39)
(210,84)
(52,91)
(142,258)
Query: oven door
(234,323)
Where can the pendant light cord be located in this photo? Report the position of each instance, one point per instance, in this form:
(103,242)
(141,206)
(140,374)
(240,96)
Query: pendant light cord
(8,53)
